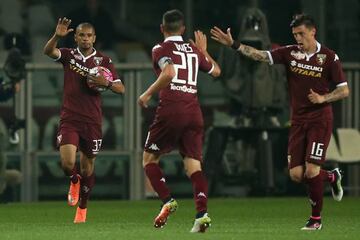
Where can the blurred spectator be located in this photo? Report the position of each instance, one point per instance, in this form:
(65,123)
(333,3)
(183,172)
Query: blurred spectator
(8,177)
(92,12)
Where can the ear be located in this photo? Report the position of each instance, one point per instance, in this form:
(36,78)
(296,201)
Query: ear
(94,39)
(182,30)
(313,31)
(161,28)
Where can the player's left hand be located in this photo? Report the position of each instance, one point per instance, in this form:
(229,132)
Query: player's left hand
(98,79)
(144,99)
(200,41)
(315,97)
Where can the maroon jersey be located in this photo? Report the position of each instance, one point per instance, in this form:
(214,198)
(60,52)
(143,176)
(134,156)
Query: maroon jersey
(187,60)
(80,103)
(304,72)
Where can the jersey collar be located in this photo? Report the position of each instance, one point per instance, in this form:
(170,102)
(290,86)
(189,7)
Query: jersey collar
(318,47)
(174,39)
(86,58)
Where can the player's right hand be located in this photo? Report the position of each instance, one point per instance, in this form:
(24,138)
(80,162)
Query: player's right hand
(62,27)
(144,99)
(224,38)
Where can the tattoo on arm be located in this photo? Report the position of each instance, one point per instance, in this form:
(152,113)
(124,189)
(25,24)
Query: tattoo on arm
(337,94)
(254,54)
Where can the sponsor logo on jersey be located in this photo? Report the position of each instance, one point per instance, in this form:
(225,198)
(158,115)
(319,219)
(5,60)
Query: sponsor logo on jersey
(304,69)
(297,55)
(320,58)
(98,60)
(315,157)
(183,88)
(77,67)
(154,147)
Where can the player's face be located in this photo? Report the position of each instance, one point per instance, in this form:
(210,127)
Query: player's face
(304,36)
(85,37)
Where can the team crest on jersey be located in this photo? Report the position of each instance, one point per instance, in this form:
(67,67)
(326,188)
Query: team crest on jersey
(320,58)
(98,60)
(297,55)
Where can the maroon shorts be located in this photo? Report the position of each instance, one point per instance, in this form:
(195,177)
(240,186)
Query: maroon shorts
(308,142)
(86,137)
(182,131)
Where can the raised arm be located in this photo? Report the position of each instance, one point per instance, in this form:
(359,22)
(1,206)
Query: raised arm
(201,44)
(226,39)
(62,30)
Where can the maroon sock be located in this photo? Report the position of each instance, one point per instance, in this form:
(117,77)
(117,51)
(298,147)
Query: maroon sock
(86,185)
(316,189)
(200,190)
(327,176)
(157,180)
(72,174)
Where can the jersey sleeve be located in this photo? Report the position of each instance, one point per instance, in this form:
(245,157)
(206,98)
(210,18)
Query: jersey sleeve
(336,72)
(64,55)
(112,69)
(277,56)
(160,56)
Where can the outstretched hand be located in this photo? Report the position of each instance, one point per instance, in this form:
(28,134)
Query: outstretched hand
(62,27)
(200,41)
(224,38)
(315,97)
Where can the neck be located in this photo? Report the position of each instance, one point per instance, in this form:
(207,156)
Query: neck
(86,51)
(166,35)
(312,48)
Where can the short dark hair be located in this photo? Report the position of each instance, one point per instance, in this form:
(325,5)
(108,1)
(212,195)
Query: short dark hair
(303,19)
(86,25)
(173,20)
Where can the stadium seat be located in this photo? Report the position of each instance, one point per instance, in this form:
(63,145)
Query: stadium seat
(333,153)
(50,133)
(11,20)
(349,140)
(40,20)
(119,131)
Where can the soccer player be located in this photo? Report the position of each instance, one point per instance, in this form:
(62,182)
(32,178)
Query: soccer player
(178,122)
(81,115)
(311,70)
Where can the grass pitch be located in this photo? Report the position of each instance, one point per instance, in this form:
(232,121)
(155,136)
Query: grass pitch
(247,218)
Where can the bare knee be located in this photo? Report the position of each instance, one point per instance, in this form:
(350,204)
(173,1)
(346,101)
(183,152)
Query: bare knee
(67,165)
(297,174)
(150,158)
(191,166)
(312,170)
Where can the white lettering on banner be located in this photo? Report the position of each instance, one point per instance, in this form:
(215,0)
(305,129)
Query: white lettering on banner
(183,88)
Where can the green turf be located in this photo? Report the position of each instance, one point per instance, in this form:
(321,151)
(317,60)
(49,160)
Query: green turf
(247,218)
